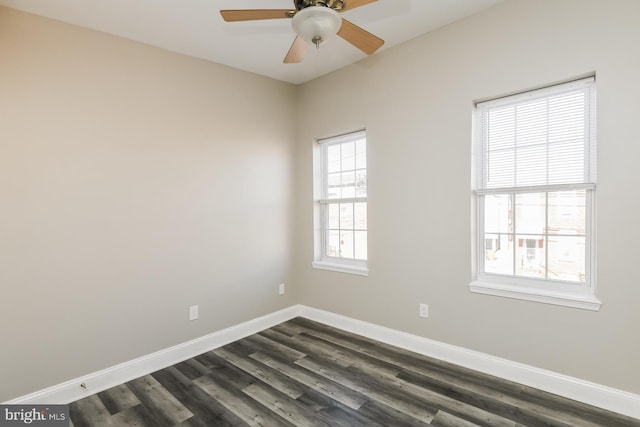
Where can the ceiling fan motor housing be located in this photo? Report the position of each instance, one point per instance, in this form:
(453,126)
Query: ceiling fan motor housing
(333,4)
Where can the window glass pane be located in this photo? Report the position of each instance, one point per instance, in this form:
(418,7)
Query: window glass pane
(361,154)
(348,156)
(361,183)
(530,256)
(334,216)
(531,129)
(531,213)
(566,162)
(567,117)
(498,250)
(497,213)
(348,178)
(348,184)
(567,212)
(531,165)
(500,168)
(567,258)
(346,244)
(346,216)
(498,240)
(335,188)
(360,216)
(333,158)
(501,128)
(361,245)
(333,243)
(499,151)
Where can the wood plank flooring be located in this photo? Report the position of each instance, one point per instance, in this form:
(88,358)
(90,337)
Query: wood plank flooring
(303,373)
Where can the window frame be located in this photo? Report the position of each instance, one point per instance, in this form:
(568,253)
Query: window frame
(544,290)
(322,260)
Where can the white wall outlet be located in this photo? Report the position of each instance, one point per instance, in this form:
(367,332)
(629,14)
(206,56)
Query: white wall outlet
(281,289)
(193,312)
(424,310)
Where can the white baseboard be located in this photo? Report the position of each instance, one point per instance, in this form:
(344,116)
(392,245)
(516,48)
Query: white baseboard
(96,382)
(593,394)
(587,392)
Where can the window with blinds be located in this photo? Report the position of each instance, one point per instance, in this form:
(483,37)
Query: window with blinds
(343,203)
(535,161)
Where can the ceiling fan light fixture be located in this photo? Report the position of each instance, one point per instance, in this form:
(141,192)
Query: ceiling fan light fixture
(316,24)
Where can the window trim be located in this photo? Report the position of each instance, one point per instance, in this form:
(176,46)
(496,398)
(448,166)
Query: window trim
(321,260)
(556,292)
(341,267)
(586,300)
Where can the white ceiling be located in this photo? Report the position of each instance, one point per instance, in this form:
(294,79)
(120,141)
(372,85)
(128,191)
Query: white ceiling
(195,28)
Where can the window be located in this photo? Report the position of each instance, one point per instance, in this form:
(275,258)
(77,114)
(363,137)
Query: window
(341,204)
(534,196)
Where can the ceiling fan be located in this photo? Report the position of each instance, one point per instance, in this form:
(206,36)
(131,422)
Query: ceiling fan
(314,21)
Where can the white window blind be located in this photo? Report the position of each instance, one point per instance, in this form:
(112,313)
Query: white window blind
(541,138)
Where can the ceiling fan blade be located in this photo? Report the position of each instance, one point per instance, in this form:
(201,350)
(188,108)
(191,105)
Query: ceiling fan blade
(255,14)
(352,4)
(360,38)
(296,52)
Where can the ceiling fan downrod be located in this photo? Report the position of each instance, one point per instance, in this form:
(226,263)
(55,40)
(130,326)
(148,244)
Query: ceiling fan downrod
(336,5)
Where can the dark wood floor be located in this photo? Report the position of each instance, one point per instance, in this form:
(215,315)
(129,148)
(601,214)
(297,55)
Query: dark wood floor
(302,373)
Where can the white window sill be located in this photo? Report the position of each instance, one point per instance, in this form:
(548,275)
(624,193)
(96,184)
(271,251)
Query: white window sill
(341,268)
(585,301)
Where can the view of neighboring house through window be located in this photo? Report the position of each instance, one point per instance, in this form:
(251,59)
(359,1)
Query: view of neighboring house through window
(342,203)
(535,184)
(544,235)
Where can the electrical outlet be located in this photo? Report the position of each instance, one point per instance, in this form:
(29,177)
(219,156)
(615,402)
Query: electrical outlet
(424,310)
(193,312)
(281,289)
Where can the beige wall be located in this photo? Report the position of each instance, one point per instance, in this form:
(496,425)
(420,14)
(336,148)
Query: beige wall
(134,182)
(416,102)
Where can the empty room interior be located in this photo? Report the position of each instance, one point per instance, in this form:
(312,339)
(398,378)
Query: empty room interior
(464,195)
